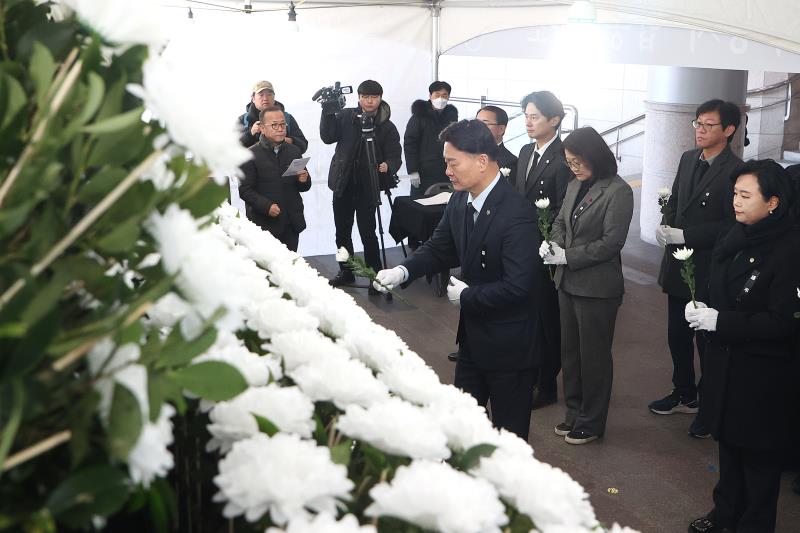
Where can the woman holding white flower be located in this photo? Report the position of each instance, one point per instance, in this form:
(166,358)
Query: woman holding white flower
(588,235)
(751,364)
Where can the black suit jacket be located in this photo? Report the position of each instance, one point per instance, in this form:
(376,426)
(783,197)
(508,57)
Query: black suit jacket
(550,177)
(501,266)
(703,211)
(505,159)
(752,365)
(263,185)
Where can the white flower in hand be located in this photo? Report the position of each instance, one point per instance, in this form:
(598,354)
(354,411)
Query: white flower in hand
(454,290)
(505,171)
(342,255)
(542,203)
(664,193)
(682,254)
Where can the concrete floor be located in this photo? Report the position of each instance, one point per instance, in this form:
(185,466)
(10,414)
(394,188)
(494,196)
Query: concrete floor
(646,473)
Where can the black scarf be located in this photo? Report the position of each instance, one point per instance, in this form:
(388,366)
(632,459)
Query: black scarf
(742,236)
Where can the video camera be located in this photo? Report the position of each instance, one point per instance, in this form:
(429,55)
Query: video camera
(332,98)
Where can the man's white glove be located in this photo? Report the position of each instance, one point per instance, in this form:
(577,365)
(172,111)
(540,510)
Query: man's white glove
(703,317)
(544,249)
(454,290)
(668,235)
(414,177)
(389,278)
(557,257)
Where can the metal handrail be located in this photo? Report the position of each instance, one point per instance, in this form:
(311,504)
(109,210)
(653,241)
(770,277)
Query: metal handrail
(616,143)
(623,124)
(776,85)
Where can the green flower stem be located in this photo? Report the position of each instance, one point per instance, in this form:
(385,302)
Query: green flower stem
(61,95)
(12,425)
(360,268)
(81,227)
(545,226)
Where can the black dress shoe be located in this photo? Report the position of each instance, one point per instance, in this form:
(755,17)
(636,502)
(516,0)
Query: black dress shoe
(543,398)
(452,356)
(344,277)
(704,525)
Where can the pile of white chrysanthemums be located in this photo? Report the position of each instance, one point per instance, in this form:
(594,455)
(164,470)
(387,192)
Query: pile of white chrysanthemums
(320,347)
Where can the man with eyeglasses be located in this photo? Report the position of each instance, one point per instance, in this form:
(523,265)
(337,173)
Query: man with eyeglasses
(496,119)
(541,173)
(272,200)
(349,174)
(700,207)
(263,96)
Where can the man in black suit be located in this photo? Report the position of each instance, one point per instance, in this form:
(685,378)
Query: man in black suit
(497,119)
(700,207)
(542,173)
(491,232)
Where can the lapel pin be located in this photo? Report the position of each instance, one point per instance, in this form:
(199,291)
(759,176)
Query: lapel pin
(752,260)
(488,211)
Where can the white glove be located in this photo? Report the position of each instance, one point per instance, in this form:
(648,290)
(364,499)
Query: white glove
(390,278)
(544,249)
(414,177)
(701,318)
(454,290)
(691,306)
(668,235)
(557,257)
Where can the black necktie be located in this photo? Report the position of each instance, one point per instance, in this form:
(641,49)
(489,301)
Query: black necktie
(533,166)
(702,167)
(469,221)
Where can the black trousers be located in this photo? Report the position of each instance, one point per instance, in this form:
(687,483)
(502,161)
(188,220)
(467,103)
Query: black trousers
(549,320)
(354,204)
(289,237)
(746,496)
(508,392)
(681,339)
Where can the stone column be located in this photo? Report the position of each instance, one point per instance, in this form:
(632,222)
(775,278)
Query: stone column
(673,94)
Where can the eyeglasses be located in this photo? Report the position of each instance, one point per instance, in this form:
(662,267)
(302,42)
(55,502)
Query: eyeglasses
(278,126)
(703,126)
(574,164)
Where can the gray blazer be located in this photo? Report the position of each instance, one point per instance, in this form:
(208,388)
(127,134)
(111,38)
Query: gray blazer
(593,236)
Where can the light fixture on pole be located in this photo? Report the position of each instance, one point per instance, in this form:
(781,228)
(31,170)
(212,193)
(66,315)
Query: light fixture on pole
(190,15)
(582,11)
(293,26)
(248,7)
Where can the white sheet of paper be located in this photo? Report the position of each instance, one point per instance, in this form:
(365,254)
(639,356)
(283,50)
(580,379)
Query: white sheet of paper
(440,199)
(296,166)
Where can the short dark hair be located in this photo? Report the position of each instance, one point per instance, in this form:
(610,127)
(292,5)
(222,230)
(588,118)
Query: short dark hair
(471,136)
(269,109)
(500,116)
(729,114)
(547,103)
(587,144)
(773,180)
(438,86)
(370,88)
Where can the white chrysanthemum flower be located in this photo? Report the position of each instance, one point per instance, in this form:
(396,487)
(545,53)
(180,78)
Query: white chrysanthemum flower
(168,310)
(377,346)
(511,443)
(342,255)
(542,203)
(338,312)
(435,496)
(339,380)
(229,349)
(262,247)
(304,284)
(324,523)
(546,494)
(278,316)
(118,365)
(119,22)
(682,254)
(505,171)
(283,475)
(616,528)
(150,456)
(208,135)
(396,427)
(411,379)
(299,347)
(287,407)
(464,426)
(664,192)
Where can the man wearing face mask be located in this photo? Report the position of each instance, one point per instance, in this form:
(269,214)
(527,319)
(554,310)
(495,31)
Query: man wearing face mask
(349,174)
(421,143)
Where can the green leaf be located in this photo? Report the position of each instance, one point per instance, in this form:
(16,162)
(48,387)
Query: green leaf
(124,422)
(340,454)
(32,349)
(265,425)
(116,123)
(14,216)
(94,98)
(11,419)
(470,458)
(101,184)
(12,329)
(12,99)
(42,68)
(122,238)
(81,418)
(212,380)
(133,333)
(178,351)
(94,491)
(207,199)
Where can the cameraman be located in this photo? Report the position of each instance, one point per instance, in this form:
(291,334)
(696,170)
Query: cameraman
(349,175)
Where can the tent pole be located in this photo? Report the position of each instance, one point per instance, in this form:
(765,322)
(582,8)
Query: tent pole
(436,11)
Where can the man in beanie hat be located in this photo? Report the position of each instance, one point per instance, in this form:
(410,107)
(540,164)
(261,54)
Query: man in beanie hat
(263,96)
(349,174)
(421,143)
